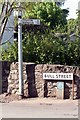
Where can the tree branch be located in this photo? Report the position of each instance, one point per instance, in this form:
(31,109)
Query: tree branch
(4,17)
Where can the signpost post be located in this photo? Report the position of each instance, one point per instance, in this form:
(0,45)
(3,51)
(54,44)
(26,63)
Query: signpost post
(20,54)
(20,22)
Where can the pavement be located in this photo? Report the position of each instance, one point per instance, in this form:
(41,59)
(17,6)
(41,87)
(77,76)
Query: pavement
(40,108)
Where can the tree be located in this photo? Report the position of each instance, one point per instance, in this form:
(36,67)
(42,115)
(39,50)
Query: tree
(72,26)
(45,48)
(49,14)
(78,21)
(39,42)
(6,10)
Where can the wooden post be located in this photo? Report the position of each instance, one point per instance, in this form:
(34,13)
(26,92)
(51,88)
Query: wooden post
(73,89)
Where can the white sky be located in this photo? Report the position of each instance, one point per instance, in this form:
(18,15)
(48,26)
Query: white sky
(73,6)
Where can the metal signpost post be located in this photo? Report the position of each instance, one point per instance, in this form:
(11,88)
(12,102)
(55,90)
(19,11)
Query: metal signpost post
(20,54)
(20,22)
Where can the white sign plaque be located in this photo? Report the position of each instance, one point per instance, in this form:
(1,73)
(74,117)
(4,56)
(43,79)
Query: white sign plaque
(58,76)
(31,21)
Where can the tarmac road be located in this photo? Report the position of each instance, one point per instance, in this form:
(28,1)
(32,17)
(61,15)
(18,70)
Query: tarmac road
(40,108)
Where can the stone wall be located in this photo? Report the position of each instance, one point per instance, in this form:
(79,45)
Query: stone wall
(35,86)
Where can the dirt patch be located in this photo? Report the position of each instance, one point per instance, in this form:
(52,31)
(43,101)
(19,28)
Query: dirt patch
(6,98)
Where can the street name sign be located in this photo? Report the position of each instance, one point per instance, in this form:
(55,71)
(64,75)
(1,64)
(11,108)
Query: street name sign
(58,76)
(31,21)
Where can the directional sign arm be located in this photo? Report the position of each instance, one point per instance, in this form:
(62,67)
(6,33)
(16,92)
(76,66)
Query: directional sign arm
(31,21)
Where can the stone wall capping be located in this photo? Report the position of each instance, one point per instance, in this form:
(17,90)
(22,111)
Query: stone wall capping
(28,63)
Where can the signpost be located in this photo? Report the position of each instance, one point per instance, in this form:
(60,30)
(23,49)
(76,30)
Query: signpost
(20,22)
(60,77)
(20,54)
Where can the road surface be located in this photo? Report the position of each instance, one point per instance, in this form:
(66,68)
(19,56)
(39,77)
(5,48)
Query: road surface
(40,108)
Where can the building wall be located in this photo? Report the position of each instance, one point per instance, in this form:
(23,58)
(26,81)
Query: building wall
(34,85)
(9,30)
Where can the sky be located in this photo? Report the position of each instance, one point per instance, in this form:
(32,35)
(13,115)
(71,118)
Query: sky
(73,6)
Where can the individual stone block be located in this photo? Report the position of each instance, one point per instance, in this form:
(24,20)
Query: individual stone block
(14,91)
(14,76)
(24,76)
(10,81)
(14,71)
(16,82)
(14,66)
(17,86)
(38,68)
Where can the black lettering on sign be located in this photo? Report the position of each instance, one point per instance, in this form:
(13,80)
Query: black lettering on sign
(69,76)
(56,76)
